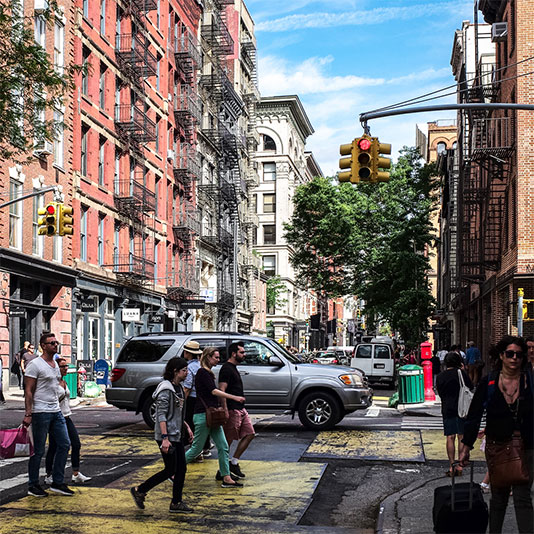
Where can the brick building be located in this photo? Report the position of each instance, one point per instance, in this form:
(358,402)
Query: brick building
(495,173)
(37,275)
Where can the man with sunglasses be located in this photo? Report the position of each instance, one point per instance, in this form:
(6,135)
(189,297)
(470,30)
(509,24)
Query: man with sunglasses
(43,412)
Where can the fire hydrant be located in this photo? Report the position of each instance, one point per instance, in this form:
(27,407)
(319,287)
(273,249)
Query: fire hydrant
(426,354)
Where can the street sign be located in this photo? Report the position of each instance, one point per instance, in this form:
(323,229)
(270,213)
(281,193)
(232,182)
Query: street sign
(193,304)
(101,369)
(208,294)
(156,318)
(131,314)
(88,305)
(17,311)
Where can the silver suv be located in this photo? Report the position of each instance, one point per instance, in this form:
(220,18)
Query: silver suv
(274,380)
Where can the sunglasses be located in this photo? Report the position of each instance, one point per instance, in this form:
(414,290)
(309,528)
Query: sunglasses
(63,366)
(51,343)
(511,353)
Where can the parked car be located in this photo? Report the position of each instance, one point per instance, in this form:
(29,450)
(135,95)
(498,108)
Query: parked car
(325,358)
(274,380)
(376,360)
(343,353)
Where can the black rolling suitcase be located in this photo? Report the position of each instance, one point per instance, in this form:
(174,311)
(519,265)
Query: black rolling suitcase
(460,508)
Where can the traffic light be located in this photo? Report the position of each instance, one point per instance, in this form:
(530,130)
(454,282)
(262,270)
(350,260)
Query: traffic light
(359,162)
(346,163)
(48,221)
(65,220)
(380,165)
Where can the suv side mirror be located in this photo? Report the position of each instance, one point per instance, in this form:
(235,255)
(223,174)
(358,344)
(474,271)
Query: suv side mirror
(275,361)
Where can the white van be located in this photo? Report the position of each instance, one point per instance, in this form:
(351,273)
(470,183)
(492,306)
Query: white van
(343,353)
(376,360)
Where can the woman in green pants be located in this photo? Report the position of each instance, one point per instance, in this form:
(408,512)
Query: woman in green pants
(208,395)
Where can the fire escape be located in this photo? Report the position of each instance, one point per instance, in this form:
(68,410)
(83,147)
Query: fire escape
(487,148)
(184,281)
(134,201)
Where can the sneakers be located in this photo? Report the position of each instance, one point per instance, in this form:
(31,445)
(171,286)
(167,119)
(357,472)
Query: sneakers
(198,459)
(228,485)
(218,476)
(62,489)
(180,507)
(236,470)
(80,478)
(206,453)
(484,487)
(48,480)
(139,498)
(37,491)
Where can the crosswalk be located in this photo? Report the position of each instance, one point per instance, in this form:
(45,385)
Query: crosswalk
(421,423)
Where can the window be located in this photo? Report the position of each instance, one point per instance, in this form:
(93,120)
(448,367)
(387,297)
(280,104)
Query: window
(157,73)
(269,172)
(150,350)
(364,351)
(102,17)
(116,243)
(37,240)
(269,265)
(59,46)
(156,144)
(254,203)
(156,247)
(101,159)
(220,345)
(102,86)
(59,144)
(269,203)
(83,155)
(158,14)
(40,30)
(269,234)
(94,337)
(80,336)
(268,143)
(117,171)
(85,8)
(256,353)
(441,148)
(254,235)
(101,228)
(85,74)
(382,352)
(109,329)
(83,234)
(15,215)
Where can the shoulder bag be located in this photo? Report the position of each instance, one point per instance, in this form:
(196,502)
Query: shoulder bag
(506,462)
(464,398)
(215,417)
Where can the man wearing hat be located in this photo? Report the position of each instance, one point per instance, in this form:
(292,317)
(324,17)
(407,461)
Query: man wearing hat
(191,353)
(474,362)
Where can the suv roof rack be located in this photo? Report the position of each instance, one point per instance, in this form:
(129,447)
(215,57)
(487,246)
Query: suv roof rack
(189,332)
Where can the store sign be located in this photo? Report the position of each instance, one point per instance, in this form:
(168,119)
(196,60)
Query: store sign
(196,304)
(131,314)
(156,318)
(88,305)
(208,295)
(17,311)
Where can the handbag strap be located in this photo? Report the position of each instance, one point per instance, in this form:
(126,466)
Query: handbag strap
(461,379)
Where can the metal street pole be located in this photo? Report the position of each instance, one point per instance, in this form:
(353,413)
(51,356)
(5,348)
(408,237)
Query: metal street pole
(29,195)
(520,295)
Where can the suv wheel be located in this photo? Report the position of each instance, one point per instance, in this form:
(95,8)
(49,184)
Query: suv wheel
(149,411)
(319,411)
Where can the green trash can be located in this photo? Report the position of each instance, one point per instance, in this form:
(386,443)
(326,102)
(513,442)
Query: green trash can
(411,384)
(72,380)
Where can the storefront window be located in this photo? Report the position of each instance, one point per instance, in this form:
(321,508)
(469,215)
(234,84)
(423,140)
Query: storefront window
(94,335)
(80,337)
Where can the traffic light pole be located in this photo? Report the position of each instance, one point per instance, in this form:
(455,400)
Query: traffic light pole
(32,194)
(364,117)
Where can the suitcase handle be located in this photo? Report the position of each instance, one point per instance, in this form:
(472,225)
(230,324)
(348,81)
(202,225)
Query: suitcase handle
(454,464)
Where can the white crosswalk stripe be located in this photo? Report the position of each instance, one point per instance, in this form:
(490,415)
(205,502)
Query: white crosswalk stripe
(421,423)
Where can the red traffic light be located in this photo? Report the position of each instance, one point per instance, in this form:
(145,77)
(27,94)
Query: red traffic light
(50,209)
(364,143)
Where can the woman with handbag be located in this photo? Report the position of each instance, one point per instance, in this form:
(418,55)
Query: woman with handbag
(507,396)
(448,387)
(169,434)
(207,408)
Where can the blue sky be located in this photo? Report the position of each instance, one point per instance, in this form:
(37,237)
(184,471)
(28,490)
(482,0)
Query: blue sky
(346,57)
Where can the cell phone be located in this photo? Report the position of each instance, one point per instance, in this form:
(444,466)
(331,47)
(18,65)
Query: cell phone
(169,451)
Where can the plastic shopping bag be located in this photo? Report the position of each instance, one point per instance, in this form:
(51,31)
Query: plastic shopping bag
(15,442)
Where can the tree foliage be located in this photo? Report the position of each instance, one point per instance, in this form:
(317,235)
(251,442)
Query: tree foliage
(275,291)
(371,241)
(30,85)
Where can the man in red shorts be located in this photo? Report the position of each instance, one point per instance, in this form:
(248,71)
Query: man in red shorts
(239,427)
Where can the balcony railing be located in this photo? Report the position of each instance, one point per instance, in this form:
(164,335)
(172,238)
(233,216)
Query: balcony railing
(492,136)
(186,166)
(133,266)
(186,50)
(250,219)
(187,226)
(186,107)
(135,195)
(144,5)
(134,56)
(216,34)
(134,122)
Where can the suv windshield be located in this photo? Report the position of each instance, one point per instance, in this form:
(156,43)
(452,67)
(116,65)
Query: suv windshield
(145,350)
(291,357)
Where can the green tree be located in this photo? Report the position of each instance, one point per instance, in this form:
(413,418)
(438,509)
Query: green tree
(371,241)
(30,85)
(275,291)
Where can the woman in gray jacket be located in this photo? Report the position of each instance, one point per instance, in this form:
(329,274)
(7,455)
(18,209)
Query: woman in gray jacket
(169,397)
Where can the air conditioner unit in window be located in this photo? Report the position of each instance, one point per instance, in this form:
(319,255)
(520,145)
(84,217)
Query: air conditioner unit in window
(170,154)
(499,32)
(45,149)
(40,6)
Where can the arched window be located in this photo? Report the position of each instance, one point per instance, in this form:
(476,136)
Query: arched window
(441,147)
(268,143)
(454,145)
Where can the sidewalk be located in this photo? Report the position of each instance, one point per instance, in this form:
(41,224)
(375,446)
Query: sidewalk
(427,408)
(15,400)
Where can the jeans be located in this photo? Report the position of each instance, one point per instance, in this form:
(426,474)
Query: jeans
(75,447)
(44,423)
(524,513)
(217,434)
(175,466)
(189,413)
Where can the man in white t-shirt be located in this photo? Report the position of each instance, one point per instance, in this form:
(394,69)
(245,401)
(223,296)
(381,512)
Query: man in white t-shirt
(42,411)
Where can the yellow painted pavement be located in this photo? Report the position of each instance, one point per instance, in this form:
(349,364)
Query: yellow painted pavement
(434,446)
(395,445)
(275,493)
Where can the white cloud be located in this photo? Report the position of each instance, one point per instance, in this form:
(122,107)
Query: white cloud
(357,18)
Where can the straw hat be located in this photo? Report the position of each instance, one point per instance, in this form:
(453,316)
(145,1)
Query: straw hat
(193,348)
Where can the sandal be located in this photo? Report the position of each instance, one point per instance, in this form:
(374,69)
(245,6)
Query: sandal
(458,472)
